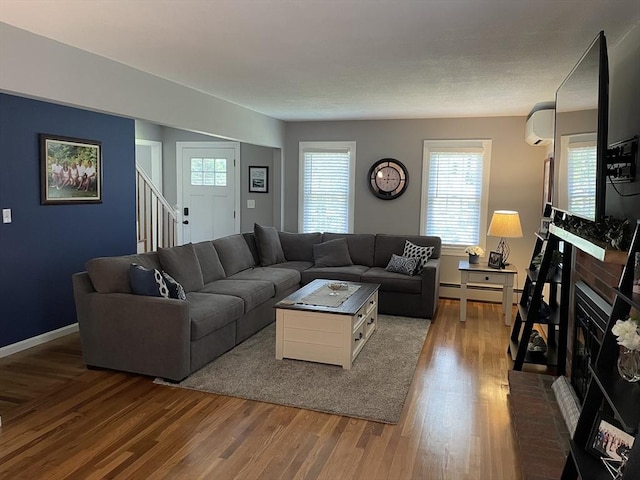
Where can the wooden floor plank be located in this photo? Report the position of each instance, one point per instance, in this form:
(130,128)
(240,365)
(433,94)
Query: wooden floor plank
(61,421)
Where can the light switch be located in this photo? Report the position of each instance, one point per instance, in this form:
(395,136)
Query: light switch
(251,204)
(6,215)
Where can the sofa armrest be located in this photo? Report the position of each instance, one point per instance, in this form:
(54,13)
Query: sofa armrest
(431,286)
(139,334)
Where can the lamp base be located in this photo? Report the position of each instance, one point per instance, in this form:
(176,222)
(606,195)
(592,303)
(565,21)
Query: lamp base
(504,250)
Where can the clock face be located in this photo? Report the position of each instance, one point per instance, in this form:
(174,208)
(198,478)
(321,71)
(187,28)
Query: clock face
(388,178)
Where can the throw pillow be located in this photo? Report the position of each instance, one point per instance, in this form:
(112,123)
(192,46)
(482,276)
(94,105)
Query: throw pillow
(421,253)
(182,264)
(175,289)
(154,283)
(268,243)
(334,253)
(404,265)
(147,281)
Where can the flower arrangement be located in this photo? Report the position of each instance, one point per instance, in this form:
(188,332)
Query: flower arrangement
(628,331)
(475,250)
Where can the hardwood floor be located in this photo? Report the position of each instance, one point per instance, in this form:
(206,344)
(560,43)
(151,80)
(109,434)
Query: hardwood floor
(61,421)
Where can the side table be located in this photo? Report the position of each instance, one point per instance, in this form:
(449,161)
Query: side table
(481,274)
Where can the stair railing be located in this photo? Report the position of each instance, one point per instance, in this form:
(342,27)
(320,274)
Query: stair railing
(157,220)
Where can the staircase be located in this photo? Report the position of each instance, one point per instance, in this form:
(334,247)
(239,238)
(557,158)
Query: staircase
(157,221)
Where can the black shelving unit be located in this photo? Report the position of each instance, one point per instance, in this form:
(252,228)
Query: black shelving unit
(529,307)
(607,391)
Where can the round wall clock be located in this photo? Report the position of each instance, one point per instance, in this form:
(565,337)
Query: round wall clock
(388,178)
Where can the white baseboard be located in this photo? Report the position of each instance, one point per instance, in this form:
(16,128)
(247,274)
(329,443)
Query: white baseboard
(37,340)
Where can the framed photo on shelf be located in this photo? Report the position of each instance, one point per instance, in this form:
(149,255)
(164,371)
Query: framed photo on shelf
(608,440)
(495,260)
(544,226)
(259,179)
(70,170)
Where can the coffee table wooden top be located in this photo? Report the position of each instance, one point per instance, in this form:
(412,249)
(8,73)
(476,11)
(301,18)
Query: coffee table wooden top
(349,307)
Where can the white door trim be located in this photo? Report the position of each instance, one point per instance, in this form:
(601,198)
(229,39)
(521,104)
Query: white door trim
(180,146)
(156,161)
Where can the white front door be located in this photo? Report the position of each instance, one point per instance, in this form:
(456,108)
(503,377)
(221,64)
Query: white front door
(209,192)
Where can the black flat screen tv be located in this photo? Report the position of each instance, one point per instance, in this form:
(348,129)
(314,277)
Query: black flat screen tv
(581,120)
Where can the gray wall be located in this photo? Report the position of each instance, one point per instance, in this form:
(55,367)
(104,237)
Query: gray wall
(253,155)
(515,177)
(249,155)
(624,117)
(35,66)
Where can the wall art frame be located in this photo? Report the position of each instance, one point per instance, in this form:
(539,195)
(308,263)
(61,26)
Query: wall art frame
(70,170)
(258,179)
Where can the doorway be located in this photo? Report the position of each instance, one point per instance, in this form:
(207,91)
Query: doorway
(208,190)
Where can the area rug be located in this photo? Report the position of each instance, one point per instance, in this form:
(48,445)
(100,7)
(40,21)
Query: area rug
(374,389)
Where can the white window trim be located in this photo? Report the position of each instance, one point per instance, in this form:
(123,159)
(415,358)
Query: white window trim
(351,146)
(457,145)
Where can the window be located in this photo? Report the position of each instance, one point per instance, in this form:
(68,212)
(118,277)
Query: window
(581,177)
(326,187)
(209,171)
(455,192)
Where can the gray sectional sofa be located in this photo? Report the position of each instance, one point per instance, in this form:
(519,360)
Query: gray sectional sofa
(231,286)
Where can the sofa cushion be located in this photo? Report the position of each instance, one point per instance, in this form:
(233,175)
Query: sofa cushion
(252,292)
(334,253)
(351,273)
(234,253)
(299,246)
(422,254)
(403,265)
(295,265)
(392,282)
(268,243)
(210,312)
(361,246)
(209,260)
(111,274)
(182,264)
(283,279)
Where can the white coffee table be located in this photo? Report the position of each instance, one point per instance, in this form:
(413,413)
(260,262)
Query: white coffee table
(333,335)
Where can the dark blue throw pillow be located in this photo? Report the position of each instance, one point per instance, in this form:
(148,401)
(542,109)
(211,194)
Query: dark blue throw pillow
(153,283)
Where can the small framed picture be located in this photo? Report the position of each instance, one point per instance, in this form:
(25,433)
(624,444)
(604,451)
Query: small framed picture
(259,179)
(70,170)
(495,260)
(544,226)
(608,440)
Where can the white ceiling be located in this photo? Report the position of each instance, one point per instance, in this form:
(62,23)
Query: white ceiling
(343,59)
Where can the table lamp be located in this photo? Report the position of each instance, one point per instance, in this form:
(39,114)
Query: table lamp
(505,224)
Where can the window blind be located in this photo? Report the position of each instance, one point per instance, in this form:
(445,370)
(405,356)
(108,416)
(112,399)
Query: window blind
(326,191)
(581,178)
(454,199)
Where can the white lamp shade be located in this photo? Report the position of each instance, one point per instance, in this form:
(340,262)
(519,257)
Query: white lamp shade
(505,224)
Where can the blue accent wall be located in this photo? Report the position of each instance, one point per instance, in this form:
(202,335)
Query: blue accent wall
(46,244)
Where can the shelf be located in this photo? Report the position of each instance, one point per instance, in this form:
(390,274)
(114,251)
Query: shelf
(549,358)
(633,300)
(554,318)
(588,466)
(544,238)
(603,254)
(533,275)
(624,397)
